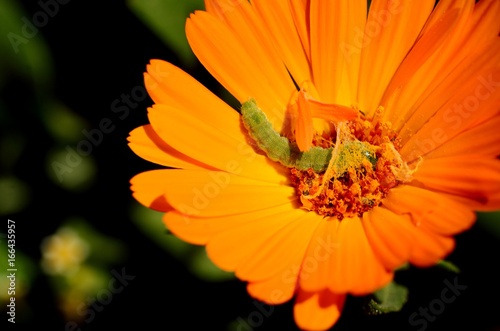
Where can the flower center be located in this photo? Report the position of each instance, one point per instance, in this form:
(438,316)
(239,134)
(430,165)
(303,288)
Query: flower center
(364,166)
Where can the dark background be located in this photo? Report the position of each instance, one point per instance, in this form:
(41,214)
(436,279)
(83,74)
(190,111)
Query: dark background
(99,52)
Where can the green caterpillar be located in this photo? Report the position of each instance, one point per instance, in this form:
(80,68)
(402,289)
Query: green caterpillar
(279,148)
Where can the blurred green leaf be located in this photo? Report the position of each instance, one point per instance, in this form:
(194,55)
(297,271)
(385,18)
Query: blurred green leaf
(87,280)
(195,257)
(205,269)
(61,122)
(22,49)
(490,222)
(388,299)
(70,169)
(449,266)
(166,18)
(150,222)
(14,195)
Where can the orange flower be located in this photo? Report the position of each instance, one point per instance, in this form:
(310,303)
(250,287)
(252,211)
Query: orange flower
(407,171)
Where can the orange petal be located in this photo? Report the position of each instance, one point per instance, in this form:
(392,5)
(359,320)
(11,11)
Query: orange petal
(480,140)
(315,273)
(146,190)
(211,145)
(308,108)
(331,112)
(429,248)
(279,22)
(300,14)
(242,66)
(390,236)
(453,175)
(428,244)
(435,54)
(220,8)
(304,124)
(427,45)
(146,143)
(167,84)
(333,27)
(340,257)
(465,98)
(485,25)
(435,212)
(318,310)
(244,22)
(450,219)
(218,193)
(443,7)
(356,268)
(199,230)
(384,43)
(229,249)
(277,289)
(281,251)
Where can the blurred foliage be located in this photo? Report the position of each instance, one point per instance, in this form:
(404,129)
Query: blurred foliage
(69,170)
(194,257)
(389,299)
(449,266)
(490,222)
(20,58)
(14,195)
(104,250)
(22,52)
(166,18)
(77,259)
(62,123)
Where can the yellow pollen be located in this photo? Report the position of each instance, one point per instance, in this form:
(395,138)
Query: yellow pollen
(364,166)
